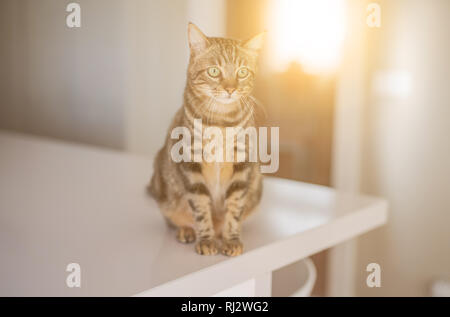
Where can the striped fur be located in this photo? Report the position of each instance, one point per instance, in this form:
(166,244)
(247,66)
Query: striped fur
(206,201)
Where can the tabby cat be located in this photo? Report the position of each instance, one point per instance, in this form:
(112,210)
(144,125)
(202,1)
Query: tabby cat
(207,201)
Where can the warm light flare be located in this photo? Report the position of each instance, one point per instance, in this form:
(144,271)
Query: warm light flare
(310,32)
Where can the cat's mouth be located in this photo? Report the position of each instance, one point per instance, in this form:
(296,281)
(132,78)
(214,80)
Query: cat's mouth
(227,98)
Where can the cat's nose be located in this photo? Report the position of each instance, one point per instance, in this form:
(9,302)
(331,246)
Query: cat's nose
(230,90)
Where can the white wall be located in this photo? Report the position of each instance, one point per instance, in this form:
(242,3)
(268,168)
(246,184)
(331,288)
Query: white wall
(158,64)
(116,81)
(61,82)
(407,149)
(350,104)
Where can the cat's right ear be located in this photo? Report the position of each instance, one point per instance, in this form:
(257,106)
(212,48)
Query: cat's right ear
(198,41)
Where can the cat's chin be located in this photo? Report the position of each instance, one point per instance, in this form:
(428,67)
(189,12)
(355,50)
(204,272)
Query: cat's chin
(227,100)
(226,105)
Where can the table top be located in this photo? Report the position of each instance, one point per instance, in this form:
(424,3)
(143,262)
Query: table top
(64,203)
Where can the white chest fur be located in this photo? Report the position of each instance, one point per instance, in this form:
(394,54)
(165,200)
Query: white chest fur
(217,177)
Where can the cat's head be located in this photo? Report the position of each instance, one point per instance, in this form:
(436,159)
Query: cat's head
(223,69)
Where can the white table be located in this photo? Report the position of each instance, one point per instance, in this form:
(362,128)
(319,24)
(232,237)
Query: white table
(63,203)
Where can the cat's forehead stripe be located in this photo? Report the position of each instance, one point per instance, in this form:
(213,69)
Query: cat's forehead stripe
(227,49)
(224,52)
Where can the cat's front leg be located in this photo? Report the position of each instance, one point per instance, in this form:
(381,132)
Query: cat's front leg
(234,203)
(200,202)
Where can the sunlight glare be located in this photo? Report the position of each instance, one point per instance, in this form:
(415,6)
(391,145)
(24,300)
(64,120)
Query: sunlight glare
(310,32)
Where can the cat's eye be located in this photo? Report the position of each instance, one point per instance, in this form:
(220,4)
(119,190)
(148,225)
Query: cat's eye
(242,72)
(213,71)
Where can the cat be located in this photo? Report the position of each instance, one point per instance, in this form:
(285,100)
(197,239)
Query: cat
(207,202)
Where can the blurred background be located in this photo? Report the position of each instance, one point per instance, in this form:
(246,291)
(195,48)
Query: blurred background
(360,107)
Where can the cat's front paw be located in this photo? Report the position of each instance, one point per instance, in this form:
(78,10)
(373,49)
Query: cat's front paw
(206,247)
(232,247)
(185,235)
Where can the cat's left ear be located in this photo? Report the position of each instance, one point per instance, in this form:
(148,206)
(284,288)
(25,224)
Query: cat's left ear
(255,43)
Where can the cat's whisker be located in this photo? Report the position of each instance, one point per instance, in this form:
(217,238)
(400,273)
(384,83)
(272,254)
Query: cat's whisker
(259,106)
(248,107)
(211,107)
